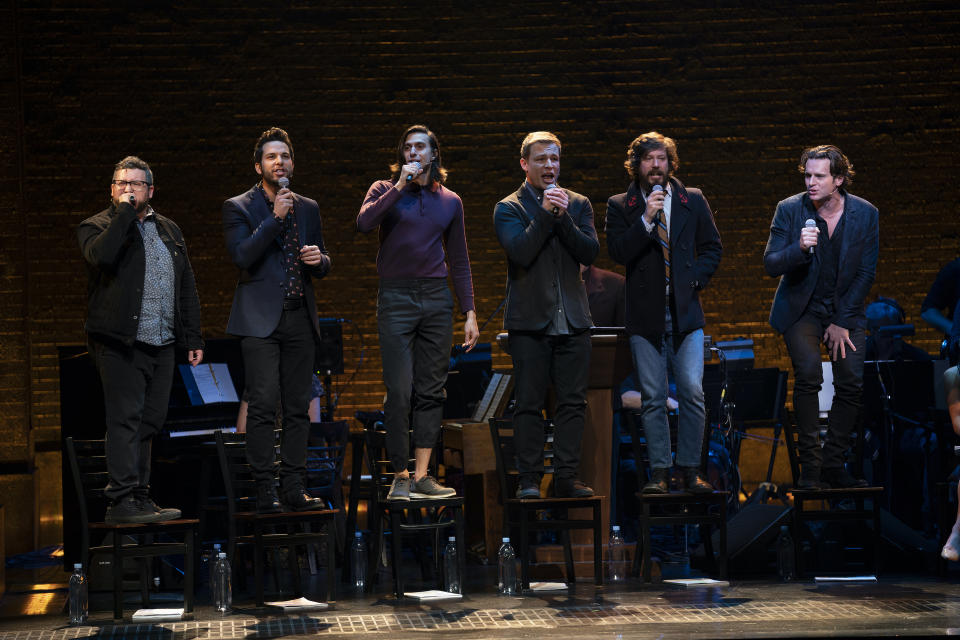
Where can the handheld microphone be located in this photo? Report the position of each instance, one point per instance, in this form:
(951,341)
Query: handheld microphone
(810,223)
(552,185)
(656,189)
(419,168)
(132,200)
(284,182)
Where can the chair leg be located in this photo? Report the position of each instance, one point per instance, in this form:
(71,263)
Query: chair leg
(568,556)
(597,546)
(646,543)
(188,569)
(145,566)
(396,554)
(375,549)
(117,577)
(722,556)
(461,546)
(524,549)
(258,556)
(294,557)
(331,541)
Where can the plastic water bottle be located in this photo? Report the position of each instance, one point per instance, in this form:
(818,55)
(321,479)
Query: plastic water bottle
(786,555)
(451,567)
(220,583)
(358,562)
(617,556)
(79,605)
(507,563)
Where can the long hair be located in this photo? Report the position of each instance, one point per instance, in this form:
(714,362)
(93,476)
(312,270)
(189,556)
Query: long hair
(437,172)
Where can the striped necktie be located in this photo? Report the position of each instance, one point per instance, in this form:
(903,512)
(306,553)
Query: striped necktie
(663,237)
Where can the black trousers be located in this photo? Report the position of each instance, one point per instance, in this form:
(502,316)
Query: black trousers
(538,360)
(415,322)
(803,341)
(136,392)
(279,368)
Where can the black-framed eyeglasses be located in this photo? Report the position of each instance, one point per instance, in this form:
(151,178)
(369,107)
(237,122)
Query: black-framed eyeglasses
(136,184)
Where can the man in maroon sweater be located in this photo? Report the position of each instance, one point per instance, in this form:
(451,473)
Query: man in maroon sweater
(421,232)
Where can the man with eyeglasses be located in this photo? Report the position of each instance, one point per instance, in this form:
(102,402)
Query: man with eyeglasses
(141,303)
(273,236)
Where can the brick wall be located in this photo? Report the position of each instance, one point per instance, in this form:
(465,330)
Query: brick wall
(189,88)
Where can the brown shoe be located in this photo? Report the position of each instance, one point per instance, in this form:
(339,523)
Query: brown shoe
(659,482)
(571,488)
(694,483)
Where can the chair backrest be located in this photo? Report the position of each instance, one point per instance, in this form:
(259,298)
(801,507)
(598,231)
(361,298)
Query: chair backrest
(378,462)
(88,468)
(238,479)
(505,452)
(326,447)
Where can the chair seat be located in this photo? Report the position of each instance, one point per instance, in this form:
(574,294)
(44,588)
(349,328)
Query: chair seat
(547,503)
(452,501)
(683,497)
(143,527)
(834,494)
(285,516)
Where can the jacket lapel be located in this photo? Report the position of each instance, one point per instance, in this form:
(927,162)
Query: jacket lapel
(528,201)
(679,211)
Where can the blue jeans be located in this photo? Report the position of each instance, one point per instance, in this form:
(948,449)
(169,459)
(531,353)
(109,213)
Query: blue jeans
(685,360)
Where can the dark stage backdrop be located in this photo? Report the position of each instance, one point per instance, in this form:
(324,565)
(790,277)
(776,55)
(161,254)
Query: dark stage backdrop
(189,86)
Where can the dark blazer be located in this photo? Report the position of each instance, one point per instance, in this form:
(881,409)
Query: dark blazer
(539,247)
(255,244)
(113,250)
(695,252)
(798,270)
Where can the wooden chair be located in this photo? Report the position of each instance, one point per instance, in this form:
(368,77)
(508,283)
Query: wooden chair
(88,466)
(262,531)
(832,507)
(415,518)
(520,516)
(707,510)
(326,449)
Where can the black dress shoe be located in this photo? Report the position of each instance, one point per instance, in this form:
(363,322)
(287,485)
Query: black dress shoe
(659,482)
(302,501)
(809,479)
(694,483)
(840,478)
(267,499)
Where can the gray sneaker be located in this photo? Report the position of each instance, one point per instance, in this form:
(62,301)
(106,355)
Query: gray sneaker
(400,489)
(427,487)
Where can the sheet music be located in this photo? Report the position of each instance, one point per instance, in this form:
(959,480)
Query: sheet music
(208,383)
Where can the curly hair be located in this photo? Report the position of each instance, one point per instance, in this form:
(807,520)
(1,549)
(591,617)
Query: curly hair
(645,143)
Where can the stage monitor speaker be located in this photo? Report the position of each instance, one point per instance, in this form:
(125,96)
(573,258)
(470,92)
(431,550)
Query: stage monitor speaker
(751,538)
(329,356)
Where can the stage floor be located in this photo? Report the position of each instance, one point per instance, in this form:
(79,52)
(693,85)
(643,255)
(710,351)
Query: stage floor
(894,606)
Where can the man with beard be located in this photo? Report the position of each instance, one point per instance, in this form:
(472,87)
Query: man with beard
(274,237)
(547,233)
(665,235)
(141,303)
(421,232)
(823,246)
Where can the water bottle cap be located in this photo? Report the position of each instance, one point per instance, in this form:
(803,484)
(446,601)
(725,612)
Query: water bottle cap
(784,528)
(77,566)
(216,546)
(616,527)
(506,540)
(357,534)
(223,554)
(452,539)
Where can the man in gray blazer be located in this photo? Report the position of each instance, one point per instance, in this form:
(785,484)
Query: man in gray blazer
(547,232)
(274,237)
(823,246)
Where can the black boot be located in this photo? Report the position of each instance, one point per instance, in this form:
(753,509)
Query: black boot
(693,482)
(659,482)
(267,499)
(840,478)
(809,477)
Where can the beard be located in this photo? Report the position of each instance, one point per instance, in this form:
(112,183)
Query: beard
(139,207)
(655,177)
